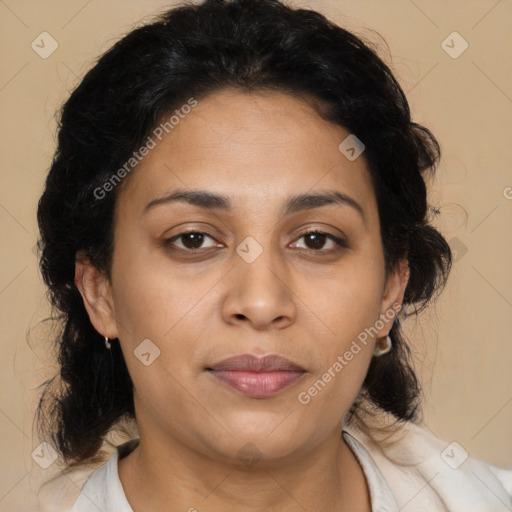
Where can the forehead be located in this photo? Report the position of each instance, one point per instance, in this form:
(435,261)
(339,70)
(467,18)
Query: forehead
(250,146)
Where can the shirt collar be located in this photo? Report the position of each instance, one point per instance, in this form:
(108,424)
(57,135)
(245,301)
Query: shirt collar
(104,490)
(382,498)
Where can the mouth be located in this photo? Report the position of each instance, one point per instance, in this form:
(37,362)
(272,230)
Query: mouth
(257,377)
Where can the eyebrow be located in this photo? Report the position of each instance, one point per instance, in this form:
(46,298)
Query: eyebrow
(294,204)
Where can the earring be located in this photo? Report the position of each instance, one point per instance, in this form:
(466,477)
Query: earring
(379,351)
(107,343)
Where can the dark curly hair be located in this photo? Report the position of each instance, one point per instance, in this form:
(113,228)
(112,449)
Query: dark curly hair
(194,50)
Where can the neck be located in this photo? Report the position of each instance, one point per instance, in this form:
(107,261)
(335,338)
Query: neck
(162,473)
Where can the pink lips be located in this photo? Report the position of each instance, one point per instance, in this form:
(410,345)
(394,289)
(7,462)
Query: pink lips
(257,377)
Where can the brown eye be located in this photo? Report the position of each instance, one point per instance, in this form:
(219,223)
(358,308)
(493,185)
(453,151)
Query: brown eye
(316,240)
(190,240)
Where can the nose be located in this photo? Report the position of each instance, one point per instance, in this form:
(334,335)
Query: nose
(260,294)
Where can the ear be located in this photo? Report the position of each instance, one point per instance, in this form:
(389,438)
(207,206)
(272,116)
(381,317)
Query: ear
(393,296)
(96,292)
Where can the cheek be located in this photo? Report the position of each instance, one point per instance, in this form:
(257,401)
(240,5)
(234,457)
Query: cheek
(153,298)
(349,301)
(348,306)
(342,351)
(156,302)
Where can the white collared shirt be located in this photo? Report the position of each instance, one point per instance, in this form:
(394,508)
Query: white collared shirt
(103,490)
(415,474)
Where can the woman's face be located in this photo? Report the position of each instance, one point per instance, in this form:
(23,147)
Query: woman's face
(249,281)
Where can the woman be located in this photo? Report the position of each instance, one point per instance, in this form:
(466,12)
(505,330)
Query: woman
(233,226)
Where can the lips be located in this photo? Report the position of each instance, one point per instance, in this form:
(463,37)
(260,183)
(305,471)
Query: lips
(250,363)
(257,377)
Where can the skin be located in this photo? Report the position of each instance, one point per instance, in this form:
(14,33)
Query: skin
(295,299)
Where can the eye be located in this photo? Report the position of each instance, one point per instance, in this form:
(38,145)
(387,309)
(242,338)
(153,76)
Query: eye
(191,240)
(316,239)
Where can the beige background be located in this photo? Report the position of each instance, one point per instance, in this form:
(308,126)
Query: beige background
(463,347)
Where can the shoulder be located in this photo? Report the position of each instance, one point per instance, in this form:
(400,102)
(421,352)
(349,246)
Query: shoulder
(103,489)
(60,492)
(428,473)
(88,488)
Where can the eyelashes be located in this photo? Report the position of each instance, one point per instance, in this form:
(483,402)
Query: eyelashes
(316,234)
(195,238)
